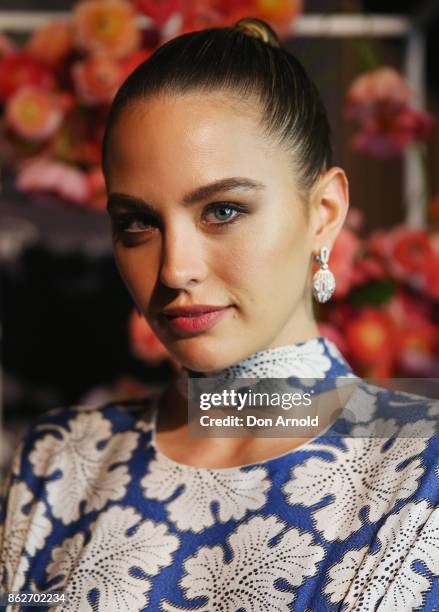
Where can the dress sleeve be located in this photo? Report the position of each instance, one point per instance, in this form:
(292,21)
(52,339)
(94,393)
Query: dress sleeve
(24,526)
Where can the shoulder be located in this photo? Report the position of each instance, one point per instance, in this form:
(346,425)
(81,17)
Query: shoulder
(62,433)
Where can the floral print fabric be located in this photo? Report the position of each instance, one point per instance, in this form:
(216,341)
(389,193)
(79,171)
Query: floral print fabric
(340,523)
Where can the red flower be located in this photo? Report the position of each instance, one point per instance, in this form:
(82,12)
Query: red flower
(160,10)
(430,276)
(18,69)
(411,250)
(371,337)
(406,251)
(341,261)
(132,62)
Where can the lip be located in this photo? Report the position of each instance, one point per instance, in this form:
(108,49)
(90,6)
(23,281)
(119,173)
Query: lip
(192,322)
(190,311)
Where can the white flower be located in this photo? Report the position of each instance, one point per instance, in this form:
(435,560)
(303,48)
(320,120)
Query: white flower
(248,578)
(236,491)
(86,473)
(363,475)
(22,532)
(360,579)
(104,563)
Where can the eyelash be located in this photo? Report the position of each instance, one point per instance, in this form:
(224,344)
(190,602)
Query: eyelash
(122,222)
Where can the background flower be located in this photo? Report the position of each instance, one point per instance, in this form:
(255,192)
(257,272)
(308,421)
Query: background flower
(106,26)
(18,69)
(33,113)
(46,175)
(97,79)
(379,102)
(52,43)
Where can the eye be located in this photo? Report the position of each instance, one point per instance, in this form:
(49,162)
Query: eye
(132,223)
(223,212)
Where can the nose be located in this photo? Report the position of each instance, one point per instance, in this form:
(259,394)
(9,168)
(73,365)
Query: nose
(182,258)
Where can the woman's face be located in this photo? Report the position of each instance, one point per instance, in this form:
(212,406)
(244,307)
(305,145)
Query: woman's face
(181,241)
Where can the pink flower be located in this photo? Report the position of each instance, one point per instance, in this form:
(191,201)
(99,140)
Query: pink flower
(51,43)
(97,79)
(106,26)
(19,69)
(45,175)
(341,260)
(372,89)
(33,113)
(379,101)
(144,343)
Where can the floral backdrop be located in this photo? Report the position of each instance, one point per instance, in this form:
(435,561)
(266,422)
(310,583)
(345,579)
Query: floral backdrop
(55,92)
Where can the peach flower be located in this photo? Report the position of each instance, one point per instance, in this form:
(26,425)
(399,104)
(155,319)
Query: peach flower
(144,343)
(33,113)
(97,79)
(56,177)
(279,13)
(51,43)
(106,26)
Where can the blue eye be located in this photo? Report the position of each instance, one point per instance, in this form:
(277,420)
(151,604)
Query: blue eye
(223,212)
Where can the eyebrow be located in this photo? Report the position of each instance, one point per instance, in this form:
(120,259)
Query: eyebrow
(199,194)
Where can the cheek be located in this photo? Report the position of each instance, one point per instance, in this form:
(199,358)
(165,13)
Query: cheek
(267,254)
(138,270)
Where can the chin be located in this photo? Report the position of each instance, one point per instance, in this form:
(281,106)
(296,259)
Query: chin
(203,353)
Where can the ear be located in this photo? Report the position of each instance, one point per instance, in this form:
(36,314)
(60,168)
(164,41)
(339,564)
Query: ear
(329,206)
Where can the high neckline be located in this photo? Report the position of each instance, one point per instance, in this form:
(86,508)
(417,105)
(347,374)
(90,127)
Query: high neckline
(317,362)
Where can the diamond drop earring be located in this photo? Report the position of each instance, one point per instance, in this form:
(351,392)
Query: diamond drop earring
(323,282)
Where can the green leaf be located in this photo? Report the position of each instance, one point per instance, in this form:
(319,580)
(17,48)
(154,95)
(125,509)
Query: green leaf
(372,293)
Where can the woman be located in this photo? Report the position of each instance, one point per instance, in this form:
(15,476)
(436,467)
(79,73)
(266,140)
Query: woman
(221,197)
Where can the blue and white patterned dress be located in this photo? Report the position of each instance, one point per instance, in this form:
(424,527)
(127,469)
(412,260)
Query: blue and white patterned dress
(349,523)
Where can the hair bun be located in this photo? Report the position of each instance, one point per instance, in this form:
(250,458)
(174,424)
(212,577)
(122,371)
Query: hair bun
(251,26)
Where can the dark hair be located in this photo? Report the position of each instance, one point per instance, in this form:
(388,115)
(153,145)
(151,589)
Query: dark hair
(246,59)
